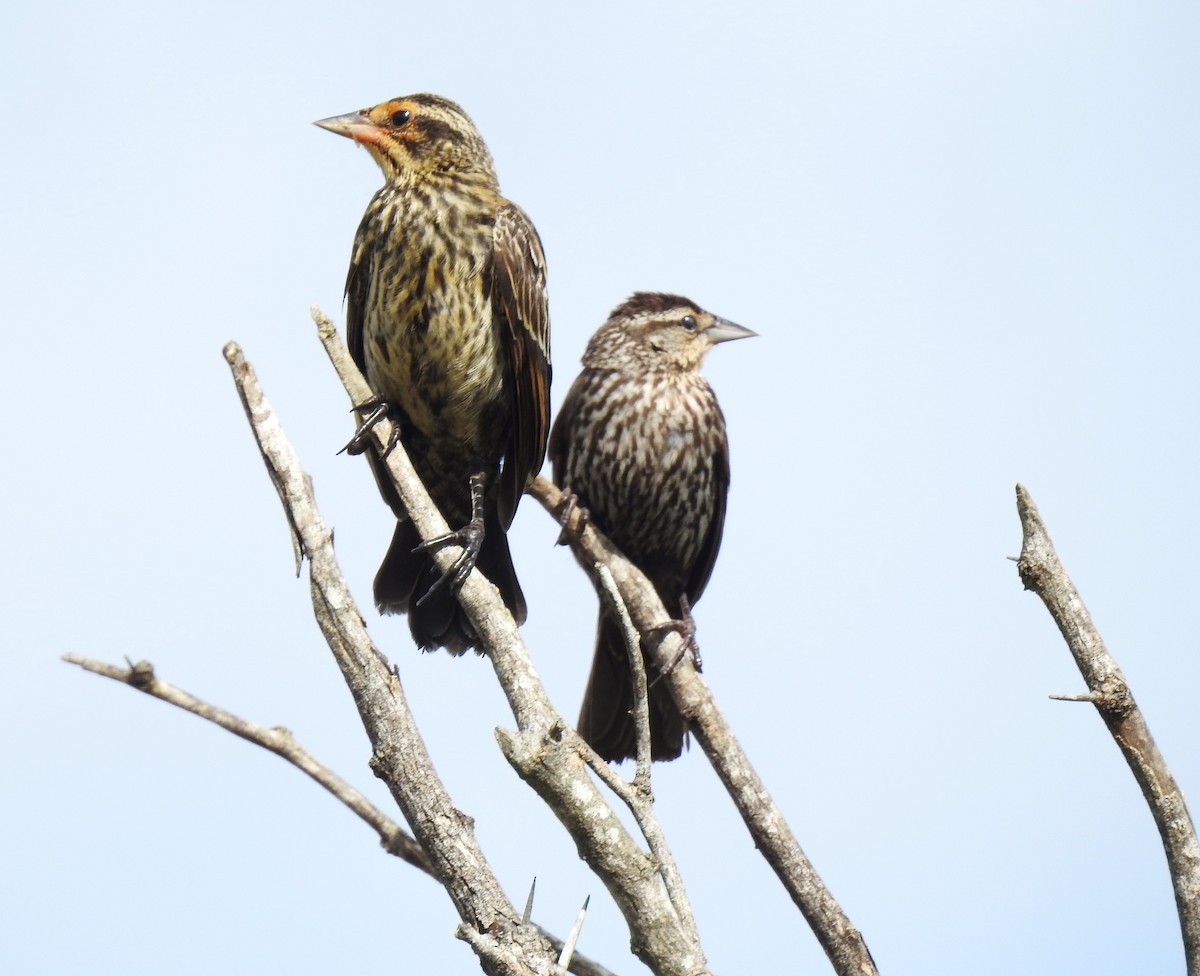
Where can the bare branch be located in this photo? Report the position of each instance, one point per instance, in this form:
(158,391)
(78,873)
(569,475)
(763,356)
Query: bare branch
(1042,572)
(277,740)
(641,695)
(843,944)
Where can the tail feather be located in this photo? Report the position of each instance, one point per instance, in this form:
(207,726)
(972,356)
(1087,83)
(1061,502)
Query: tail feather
(606,717)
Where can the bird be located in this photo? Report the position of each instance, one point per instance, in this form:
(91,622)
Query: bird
(447,317)
(640,443)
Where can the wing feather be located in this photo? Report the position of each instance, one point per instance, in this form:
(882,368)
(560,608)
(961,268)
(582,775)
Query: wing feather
(519,301)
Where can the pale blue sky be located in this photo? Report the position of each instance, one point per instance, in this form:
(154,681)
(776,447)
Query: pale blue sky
(967,235)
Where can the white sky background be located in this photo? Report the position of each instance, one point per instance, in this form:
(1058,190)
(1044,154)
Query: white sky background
(967,234)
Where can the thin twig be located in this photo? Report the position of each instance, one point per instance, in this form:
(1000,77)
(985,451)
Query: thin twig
(641,694)
(843,944)
(277,740)
(564,958)
(1042,572)
(528,913)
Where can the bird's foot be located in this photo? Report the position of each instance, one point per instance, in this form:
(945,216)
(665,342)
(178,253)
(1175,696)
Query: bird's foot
(685,627)
(469,537)
(372,411)
(572,519)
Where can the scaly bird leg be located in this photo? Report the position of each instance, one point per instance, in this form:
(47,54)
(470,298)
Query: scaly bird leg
(571,510)
(686,628)
(470,537)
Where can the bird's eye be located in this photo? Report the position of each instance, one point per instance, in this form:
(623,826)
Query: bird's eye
(399,118)
(689,323)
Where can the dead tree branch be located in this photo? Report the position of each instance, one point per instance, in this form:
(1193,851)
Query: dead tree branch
(1042,572)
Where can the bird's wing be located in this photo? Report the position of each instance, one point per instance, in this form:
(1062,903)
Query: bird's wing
(519,300)
(707,556)
(357,283)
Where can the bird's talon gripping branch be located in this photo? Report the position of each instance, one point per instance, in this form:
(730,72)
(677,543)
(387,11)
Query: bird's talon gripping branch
(376,409)
(469,537)
(685,627)
(573,519)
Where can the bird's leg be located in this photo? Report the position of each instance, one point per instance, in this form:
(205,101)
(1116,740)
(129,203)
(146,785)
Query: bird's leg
(571,510)
(375,409)
(685,627)
(470,537)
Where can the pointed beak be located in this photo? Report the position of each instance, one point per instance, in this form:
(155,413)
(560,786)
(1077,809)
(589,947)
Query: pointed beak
(723,330)
(352,125)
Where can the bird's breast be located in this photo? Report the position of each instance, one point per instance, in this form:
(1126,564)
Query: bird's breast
(430,341)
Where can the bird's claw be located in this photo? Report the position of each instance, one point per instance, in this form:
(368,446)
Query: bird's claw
(573,519)
(685,627)
(470,538)
(375,410)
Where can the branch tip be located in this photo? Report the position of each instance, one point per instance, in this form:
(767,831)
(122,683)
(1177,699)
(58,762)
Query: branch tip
(324,323)
(528,913)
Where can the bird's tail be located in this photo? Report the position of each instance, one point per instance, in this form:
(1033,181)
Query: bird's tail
(406,576)
(606,716)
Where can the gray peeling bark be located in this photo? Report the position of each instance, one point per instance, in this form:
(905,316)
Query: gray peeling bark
(1042,572)
(842,942)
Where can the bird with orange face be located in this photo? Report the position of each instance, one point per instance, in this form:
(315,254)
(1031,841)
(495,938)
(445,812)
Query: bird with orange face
(447,318)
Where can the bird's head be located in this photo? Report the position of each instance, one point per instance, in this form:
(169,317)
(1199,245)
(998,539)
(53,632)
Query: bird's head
(658,331)
(417,138)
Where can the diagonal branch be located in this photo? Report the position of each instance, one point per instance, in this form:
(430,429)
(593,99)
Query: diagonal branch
(1042,572)
(843,944)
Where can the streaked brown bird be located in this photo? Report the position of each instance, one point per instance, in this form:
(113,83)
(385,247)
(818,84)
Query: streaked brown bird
(640,441)
(447,318)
